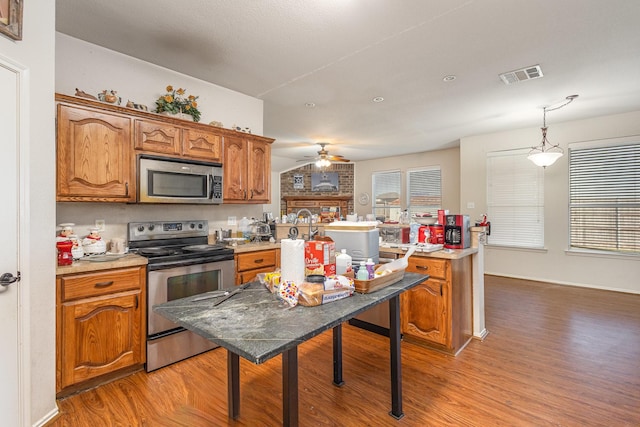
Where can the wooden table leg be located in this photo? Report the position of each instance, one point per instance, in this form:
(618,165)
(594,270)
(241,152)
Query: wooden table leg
(396,360)
(337,356)
(290,388)
(233,384)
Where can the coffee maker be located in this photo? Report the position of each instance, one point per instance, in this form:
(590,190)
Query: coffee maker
(457,231)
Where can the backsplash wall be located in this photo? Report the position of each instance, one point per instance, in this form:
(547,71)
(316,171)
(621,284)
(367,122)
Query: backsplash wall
(118,215)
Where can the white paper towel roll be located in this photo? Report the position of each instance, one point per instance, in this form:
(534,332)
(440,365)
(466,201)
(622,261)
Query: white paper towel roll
(292,260)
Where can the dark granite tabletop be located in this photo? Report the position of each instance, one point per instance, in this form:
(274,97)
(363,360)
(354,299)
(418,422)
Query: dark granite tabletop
(256,325)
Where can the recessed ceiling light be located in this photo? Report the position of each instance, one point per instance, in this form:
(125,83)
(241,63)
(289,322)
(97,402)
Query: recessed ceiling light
(449,78)
(378,99)
(309,104)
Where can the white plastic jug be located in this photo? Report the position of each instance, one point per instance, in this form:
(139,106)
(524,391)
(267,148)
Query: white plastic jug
(344,262)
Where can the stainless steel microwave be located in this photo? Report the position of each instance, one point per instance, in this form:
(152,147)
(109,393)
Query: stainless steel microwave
(168,180)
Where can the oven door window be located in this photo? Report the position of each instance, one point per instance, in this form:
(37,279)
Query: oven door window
(173,184)
(192,284)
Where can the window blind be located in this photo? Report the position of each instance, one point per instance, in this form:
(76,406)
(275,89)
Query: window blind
(386,194)
(604,198)
(515,200)
(425,191)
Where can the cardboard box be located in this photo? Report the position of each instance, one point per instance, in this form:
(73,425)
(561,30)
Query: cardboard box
(320,257)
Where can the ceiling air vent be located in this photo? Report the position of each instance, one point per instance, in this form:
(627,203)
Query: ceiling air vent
(528,73)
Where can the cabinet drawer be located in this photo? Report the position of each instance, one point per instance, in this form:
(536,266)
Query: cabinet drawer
(250,275)
(432,267)
(252,260)
(102,283)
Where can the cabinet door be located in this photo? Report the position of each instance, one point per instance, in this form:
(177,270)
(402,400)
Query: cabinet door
(259,178)
(100,336)
(235,166)
(425,312)
(202,145)
(93,156)
(157,137)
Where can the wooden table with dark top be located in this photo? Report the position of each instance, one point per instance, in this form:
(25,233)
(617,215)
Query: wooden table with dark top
(254,324)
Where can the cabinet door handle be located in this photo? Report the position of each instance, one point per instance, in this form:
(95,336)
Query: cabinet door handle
(245,194)
(422,267)
(103,284)
(126,189)
(440,289)
(258,261)
(252,194)
(136,302)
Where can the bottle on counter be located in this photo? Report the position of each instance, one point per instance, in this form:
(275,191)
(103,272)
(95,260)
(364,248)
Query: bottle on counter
(344,263)
(370,266)
(363,274)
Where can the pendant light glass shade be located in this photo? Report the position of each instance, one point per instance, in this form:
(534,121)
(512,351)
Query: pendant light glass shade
(545,154)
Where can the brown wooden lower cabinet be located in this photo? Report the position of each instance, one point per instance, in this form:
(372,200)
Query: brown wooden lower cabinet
(100,326)
(250,264)
(438,312)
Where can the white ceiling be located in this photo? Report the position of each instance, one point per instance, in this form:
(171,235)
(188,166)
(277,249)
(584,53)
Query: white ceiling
(340,54)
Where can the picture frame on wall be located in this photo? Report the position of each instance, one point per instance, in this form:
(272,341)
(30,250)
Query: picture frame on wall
(324,181)
(11,18)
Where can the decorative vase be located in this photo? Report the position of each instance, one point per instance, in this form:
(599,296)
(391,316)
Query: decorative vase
(182,116)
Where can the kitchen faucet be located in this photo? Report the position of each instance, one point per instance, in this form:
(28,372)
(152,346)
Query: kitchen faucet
(309,214)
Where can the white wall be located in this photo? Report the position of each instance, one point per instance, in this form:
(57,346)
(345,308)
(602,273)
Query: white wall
(36,53)
(554,264)
(449,163)
(92,68)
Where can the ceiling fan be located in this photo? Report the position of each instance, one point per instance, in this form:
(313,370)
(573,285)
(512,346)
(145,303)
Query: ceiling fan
(324,158)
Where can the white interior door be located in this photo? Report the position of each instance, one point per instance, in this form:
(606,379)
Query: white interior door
(10,392)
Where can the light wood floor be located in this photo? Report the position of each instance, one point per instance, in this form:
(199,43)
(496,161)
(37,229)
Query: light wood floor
(555,356)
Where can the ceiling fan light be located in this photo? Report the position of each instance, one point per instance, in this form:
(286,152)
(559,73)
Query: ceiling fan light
(322,163)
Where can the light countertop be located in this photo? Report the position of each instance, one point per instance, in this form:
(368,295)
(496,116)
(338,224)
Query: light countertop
(84,265)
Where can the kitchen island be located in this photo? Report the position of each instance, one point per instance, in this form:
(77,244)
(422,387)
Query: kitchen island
(255,325)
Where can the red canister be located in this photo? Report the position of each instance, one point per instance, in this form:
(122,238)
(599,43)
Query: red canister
(64,252)
(437,234)
(423,234)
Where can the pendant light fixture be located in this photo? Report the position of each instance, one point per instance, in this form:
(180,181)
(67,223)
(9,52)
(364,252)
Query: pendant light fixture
(546,153)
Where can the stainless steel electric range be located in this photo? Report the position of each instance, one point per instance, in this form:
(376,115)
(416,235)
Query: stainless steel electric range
(180,264)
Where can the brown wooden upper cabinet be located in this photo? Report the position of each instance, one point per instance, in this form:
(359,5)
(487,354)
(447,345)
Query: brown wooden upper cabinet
(165,138)
(98,144)
(94,156)
(247,169)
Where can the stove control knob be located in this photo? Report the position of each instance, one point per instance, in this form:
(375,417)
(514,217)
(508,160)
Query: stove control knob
(141,228)
(192,226)
(151,227)
(200,226)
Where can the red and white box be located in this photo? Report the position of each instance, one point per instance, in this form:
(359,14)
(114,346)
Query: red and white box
(320,257)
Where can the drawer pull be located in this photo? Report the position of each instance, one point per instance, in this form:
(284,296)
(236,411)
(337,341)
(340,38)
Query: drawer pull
(422,267)
(259,260)
(103,284)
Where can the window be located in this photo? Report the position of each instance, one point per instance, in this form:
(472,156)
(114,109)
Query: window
(425,192)
(515,200)
(604,197)
(386,194)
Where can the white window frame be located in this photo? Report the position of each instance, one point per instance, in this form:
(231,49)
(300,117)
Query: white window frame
(515,200)
(614,226)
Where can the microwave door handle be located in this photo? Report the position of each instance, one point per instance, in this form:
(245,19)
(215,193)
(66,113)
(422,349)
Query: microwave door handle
(211,186)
